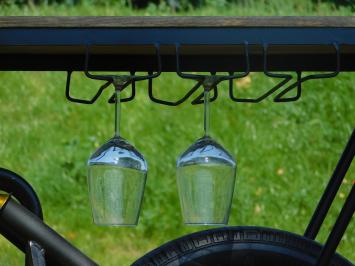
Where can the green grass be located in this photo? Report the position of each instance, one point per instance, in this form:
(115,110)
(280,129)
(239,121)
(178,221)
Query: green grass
(285,152)
(215,7)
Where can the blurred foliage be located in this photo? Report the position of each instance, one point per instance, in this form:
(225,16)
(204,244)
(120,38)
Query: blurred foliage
(285,152)
(338,3)
(175,5)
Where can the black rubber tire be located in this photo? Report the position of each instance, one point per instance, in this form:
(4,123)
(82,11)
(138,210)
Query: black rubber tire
(239,246)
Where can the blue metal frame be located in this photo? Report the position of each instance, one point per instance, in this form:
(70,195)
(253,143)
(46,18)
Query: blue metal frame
(64,49)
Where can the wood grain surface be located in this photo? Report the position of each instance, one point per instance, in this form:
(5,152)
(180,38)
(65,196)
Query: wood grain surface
(175,22)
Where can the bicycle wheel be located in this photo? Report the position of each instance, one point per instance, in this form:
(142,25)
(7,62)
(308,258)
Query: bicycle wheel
(239,246)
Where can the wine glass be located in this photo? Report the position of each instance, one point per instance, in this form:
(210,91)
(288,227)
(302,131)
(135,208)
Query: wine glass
(117,175)
(206,178)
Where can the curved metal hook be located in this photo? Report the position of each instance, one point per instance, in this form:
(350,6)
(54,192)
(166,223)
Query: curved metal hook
(125,78)
(76,100)
(130,98)
(286,78)
(278,98)
(209,82)
(119,81)
(216,78)
(300,79)
(169,103)
(200,99)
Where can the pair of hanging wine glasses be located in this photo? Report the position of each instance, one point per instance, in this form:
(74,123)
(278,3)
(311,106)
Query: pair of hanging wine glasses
(117,173)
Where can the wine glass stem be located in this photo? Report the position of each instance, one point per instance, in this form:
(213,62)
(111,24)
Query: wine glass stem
(206,113)
(117,112)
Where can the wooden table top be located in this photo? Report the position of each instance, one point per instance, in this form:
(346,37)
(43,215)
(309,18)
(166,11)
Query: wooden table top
(175,22)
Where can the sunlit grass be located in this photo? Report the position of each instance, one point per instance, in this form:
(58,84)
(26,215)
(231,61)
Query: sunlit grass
(285,152)
(214,7)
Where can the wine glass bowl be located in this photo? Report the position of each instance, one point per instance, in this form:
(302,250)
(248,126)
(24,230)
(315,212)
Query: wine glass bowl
(117,174)
(117,177)
(206,178)
(206,175)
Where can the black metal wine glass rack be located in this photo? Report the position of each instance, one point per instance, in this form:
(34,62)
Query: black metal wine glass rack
(226,47)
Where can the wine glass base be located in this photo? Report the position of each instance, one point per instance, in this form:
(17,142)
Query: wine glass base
(115,225)
(206,224)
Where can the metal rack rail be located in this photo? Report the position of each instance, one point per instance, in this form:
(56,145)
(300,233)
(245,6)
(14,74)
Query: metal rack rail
(235,46)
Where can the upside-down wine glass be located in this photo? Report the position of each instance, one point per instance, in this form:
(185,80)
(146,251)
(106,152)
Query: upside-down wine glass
(116,176)
(206,178)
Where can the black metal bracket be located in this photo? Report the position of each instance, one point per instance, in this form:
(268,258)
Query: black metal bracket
(120,82)
(286,78)
(298,84)
(208,82)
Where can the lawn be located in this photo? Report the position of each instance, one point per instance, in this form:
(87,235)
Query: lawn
(285,152)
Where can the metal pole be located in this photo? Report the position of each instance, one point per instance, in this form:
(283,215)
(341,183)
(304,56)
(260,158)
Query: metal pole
(16,218)
(338,230)
(331,189)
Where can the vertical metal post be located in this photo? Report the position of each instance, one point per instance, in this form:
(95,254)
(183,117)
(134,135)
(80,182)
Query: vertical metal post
(338,230)
(331,189)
